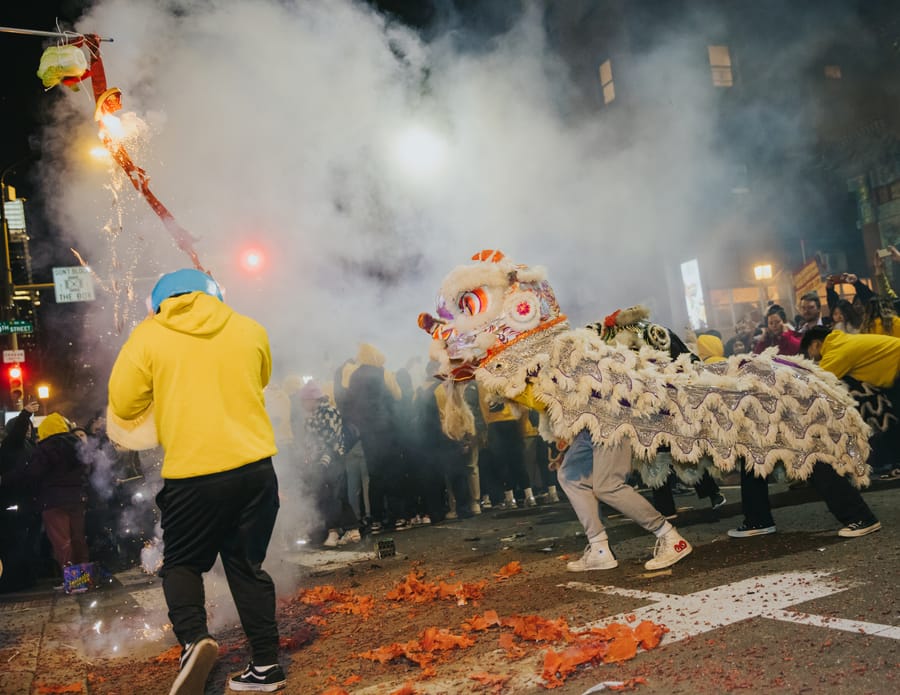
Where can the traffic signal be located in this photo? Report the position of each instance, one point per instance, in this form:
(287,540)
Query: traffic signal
(253,259)
(16,387)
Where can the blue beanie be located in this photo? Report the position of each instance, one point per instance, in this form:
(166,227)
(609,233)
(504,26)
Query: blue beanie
(182,282)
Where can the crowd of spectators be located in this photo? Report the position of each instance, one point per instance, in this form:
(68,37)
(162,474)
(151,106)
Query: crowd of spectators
(406,472)
(369,444)
(67,496)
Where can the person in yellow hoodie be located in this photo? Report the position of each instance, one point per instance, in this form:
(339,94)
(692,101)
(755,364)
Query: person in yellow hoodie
(873,359)
(857,356)
(870,364)
(196,369)
(710,349)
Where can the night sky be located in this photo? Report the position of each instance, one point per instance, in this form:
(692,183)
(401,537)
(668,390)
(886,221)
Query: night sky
(23,100)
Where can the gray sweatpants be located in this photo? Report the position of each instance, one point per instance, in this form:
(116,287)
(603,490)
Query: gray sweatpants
(589,473)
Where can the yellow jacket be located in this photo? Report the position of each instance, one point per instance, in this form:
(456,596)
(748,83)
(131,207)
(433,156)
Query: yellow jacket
(710,348)
(54,423)
(202,368)
(874,359)
(878,328)
(500,410)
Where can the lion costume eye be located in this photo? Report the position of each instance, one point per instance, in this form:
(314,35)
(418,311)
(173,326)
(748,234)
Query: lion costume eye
(473,302)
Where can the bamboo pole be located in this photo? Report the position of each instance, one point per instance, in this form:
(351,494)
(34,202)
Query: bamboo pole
(44,34)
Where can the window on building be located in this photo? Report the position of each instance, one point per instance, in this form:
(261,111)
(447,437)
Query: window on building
(720,64)
(833,72)
(606,82)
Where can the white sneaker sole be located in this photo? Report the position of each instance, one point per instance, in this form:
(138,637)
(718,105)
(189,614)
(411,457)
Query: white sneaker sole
(192,678)
(750,533)
(573,567)
(257,687)
(655,564)
(850,533)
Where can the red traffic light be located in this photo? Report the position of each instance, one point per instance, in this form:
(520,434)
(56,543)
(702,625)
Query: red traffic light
(253,259)
(16,389)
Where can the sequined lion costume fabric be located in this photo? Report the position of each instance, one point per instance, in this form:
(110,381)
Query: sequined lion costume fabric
(499,322)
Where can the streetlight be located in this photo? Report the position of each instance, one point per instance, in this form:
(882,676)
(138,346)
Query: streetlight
(43,392)
(100,153)
(762,272)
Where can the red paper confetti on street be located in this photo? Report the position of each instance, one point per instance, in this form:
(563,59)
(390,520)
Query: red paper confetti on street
(508,570)
(491,681)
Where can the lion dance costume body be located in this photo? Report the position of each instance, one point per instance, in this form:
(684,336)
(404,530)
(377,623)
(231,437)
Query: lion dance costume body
(499,322)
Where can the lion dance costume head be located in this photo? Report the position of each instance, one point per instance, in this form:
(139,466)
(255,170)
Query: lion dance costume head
(485,307)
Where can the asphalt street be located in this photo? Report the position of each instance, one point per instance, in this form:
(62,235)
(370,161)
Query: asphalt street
(800,611)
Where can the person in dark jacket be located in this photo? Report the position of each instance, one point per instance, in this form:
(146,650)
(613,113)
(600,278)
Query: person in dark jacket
(62,489)
(322,444)
(20,516)
(455,460)
(369,407)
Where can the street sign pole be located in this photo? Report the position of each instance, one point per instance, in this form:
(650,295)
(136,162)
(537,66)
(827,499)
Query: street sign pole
(6,281)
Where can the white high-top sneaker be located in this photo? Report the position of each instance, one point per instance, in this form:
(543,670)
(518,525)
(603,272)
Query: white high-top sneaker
(669,549)
(597,556)
(552,495)
(509,499)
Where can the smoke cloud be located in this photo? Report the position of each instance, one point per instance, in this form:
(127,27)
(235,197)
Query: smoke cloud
(365,163)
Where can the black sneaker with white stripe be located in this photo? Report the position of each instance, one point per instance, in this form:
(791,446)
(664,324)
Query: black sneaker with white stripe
(197,660)
(860,528)
(261,679)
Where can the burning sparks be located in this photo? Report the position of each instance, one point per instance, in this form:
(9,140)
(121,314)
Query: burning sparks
(112,127)
(100,153)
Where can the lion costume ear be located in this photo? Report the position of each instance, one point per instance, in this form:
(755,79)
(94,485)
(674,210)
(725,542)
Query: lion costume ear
(490,255)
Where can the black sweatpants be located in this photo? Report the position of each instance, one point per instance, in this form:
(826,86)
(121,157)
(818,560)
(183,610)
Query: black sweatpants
(229,514)
(664,498)
(842,499)
(507,455)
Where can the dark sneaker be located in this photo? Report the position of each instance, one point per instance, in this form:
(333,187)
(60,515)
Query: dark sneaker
(197,660)
(746,530)
(859,528)
(261,680)
(718,500)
